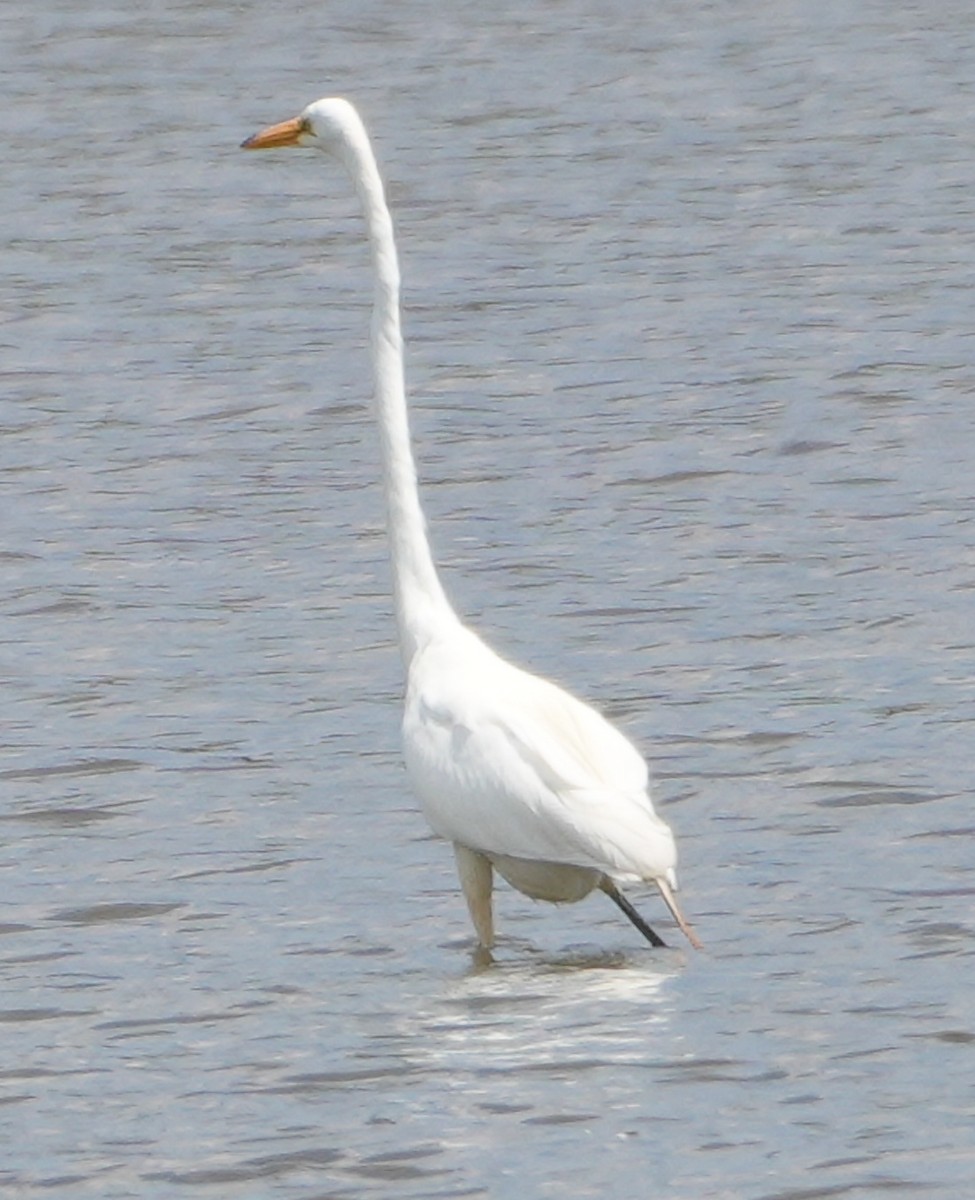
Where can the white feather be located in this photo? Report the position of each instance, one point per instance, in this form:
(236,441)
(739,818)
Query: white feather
(507,763)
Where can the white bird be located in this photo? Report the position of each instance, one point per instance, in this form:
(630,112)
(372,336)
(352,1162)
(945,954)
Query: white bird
(521,777)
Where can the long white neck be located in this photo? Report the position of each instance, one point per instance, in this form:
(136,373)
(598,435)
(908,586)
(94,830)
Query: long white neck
(422,608)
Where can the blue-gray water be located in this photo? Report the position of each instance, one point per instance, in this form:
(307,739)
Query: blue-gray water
(690,319)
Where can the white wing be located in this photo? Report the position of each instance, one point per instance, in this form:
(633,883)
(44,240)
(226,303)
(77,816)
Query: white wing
(505,762)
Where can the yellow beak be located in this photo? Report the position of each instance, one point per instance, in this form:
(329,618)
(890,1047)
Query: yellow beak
(286,133)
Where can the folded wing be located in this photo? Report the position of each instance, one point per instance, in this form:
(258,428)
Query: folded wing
(507,763)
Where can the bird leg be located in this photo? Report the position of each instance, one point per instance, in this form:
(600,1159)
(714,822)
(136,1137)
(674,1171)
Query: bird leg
(671,901)
(477,880)
(621,901)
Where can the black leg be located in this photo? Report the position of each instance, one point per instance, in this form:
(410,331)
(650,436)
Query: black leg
(621,901)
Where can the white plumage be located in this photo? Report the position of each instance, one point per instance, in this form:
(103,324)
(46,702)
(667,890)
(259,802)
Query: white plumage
(518,774)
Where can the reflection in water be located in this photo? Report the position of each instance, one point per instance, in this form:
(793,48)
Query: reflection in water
(550,1014)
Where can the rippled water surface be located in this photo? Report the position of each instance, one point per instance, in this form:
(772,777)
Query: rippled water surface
(689,308)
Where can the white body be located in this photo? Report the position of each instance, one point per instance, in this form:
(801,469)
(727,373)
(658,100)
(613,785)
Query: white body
(516,773)
(508,764)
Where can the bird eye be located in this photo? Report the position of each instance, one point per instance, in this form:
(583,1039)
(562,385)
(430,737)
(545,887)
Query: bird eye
(304,126)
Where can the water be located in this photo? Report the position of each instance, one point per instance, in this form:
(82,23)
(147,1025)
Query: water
(690,323)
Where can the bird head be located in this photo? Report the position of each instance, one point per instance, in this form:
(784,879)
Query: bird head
(327,124)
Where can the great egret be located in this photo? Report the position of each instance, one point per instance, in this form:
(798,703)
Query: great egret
(521,777)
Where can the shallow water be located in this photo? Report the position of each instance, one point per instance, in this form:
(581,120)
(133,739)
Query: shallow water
(690,337)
